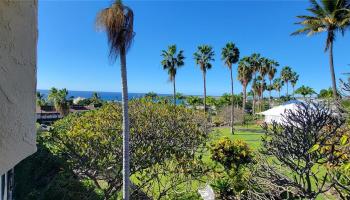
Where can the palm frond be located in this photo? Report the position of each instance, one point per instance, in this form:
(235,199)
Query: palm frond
(118,22)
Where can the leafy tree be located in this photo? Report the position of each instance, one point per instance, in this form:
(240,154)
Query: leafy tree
(203,57)
(172,60)
(330,17)
(294,79)
(212,101)
(297,145)
(59,100)
(226,100)
(286,76)
(277,85)
(245,75)
(151,95)
(230,56)
(305,90)
(194,100)
(118,22)
(91,143)
(326,93)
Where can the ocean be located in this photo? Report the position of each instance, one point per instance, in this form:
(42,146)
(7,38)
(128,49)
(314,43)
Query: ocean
(107,96)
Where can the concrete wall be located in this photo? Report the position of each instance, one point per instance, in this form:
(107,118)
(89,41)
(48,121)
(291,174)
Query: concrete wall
(18,41)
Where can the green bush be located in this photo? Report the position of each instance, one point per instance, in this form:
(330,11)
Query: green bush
(231,154)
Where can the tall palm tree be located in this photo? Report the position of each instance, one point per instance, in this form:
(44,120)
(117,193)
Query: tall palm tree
(256,88)
(294,79)
(255,62)
(263,68)
(271,71)
(171,62)
(245,75)
(118,22)
(330,16)
(203,57)
(286,75)
(230,56)
(277,85)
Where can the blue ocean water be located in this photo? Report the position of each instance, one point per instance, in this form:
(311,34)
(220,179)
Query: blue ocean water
(107,96)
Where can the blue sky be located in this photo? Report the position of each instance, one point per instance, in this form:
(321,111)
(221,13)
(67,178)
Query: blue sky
(73,55)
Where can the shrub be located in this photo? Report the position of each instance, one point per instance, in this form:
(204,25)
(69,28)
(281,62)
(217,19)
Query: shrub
(231,154)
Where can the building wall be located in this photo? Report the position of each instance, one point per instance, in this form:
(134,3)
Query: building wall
(18,41)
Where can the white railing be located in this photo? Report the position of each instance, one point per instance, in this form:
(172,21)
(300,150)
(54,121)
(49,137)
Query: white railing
(6,185)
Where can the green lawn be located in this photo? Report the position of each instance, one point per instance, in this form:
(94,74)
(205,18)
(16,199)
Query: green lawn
(251,134)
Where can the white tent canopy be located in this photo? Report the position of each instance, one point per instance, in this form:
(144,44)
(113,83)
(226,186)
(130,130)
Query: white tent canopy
(275,114)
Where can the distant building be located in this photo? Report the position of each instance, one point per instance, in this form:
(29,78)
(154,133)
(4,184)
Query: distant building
(78,99)
(276,114)
(48,114)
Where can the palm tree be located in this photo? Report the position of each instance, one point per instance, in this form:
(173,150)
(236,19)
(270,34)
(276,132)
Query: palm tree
(294,79)
(263,70)
(256,88)
(40,100)
(255,62)
(203,56)
(305,90)
(171,62)
(277,85)
(230,56)
(118,22)
(245,75)
(271,71)
(95,98)
(59,100)
(330,16)
(286,75)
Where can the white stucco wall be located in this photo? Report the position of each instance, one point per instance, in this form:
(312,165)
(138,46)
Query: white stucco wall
(18,41)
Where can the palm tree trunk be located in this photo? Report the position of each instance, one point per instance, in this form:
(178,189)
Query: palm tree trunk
(270,88)
(262,95)
(287,87)
(331,66)
(244,99)
(232,102)
(174,91)
(279,93)
(126,158)
(205,92)
(293,90)
(253,103)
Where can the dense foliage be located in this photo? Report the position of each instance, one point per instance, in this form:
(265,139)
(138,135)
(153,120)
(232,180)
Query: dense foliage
(231,154)
(91,143)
